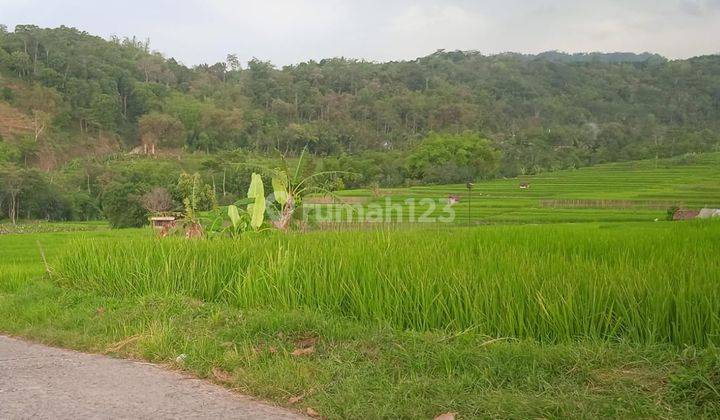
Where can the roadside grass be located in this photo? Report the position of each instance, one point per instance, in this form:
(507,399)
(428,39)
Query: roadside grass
(360,371)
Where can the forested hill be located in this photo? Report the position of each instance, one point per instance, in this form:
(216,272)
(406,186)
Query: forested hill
(65,93)
(596,57)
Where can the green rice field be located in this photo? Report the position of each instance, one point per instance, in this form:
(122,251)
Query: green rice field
(645,283)
(628,191)
(564,299)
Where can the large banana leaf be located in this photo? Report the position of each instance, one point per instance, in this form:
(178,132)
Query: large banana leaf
(257,208)
(234,215)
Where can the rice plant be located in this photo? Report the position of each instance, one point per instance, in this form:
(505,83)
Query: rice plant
(643,283)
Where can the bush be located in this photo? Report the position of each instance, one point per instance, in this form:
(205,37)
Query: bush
(453,158)
(122,207)
(191,187)
(85,207)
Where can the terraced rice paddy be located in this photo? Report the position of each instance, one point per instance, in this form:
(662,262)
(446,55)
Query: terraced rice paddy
(630,191)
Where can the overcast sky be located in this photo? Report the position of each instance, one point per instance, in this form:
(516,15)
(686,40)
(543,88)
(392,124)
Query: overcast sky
(291,31)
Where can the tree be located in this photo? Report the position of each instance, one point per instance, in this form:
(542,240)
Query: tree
(188,110)
(157,129)
(105,111)
(84,206)
(155,69)
(29,193)
(12,184)
(8,153)
(449,158)
(121,205)
(157,200)
(233,62)
(219,128)
(42,199)
(42,103)
(4,56)
(261,84)
(20,62)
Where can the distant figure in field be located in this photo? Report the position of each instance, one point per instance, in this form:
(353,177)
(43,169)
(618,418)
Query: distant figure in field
(524,186)
(453,199)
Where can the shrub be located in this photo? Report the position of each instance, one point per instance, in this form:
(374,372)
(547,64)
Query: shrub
(122,206)
(453,158)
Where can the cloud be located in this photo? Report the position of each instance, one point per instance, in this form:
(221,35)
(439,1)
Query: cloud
(289,31)
(700,8)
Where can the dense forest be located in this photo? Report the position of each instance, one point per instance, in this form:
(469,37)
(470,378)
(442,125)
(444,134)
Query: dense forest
(79,115)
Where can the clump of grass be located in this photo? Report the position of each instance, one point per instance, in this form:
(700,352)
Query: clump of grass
(638,283)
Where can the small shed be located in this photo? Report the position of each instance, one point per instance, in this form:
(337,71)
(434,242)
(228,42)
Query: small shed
(707,213)
(685,214)
(162,224)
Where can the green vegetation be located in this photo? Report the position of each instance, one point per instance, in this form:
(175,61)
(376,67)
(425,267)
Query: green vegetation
(613,318)
(365,368)
(628,191)
(453,158)
(46,227)
(644,284)
(549,110)
(602,319)
(74,106)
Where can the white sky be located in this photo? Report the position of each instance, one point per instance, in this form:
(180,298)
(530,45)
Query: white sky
(291,31)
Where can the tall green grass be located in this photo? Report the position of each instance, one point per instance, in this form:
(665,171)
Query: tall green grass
(644,283)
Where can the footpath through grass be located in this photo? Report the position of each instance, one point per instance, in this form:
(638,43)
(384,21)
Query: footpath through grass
(346,366)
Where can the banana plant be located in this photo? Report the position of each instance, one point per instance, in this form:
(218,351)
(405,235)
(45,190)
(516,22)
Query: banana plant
(290,190)
(253,216)
(256,209)
(239,221)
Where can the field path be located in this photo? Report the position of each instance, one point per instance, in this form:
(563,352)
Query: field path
(37,381)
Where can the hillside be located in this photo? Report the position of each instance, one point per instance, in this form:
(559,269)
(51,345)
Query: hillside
(13,123)
(548,111)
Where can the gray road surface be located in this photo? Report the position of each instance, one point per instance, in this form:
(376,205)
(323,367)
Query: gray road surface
(49,383)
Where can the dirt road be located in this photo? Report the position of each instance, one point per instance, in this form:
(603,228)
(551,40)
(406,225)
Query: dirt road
(44,382)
